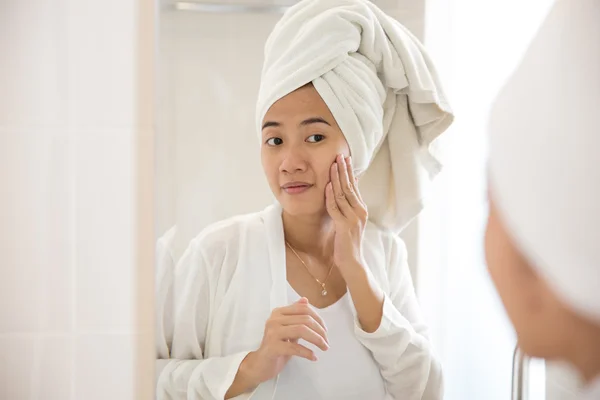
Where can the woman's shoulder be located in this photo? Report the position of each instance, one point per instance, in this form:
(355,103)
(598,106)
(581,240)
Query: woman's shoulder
(213,250)
(227,232)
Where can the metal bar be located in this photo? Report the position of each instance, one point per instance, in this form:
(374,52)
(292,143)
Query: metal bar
(520,375)
(220,8)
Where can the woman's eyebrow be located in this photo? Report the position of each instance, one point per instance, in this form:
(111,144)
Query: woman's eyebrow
(269,124)
(314,120)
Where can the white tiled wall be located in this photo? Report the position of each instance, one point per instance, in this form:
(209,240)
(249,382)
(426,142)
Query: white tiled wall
(76,199)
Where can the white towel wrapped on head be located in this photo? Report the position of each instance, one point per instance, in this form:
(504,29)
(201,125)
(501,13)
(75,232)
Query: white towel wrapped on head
(381,88)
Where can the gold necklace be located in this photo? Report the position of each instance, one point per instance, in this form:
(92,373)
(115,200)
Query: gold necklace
(323,289)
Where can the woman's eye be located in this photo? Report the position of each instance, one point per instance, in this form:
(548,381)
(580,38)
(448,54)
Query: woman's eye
(274,141)
(315,138)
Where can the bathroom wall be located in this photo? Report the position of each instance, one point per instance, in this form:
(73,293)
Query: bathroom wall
(76,210)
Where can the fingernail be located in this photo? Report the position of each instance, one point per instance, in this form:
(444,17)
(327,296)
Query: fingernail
(349,159)
(314,358)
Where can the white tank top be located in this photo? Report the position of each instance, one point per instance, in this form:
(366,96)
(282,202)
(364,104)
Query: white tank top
(346,371)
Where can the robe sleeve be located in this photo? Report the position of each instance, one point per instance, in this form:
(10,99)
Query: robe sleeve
(187,374)
(400,345)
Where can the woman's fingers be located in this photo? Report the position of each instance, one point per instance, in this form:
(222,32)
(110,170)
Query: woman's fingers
(289,324)
(332,206)
(346,177)
(301,321)
(291,332)
(306,320)
(294,349)
(303,308)
(338,190)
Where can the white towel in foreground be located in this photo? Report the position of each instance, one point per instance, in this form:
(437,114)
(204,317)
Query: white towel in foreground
(544,163)
(381,88)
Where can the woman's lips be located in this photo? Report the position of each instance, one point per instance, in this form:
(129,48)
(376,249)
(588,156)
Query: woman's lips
(296,188)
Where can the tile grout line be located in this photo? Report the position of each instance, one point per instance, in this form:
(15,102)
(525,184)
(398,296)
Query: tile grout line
(73,258)
(34,378)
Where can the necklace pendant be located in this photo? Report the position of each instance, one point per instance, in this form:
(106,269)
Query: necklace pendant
(324,291)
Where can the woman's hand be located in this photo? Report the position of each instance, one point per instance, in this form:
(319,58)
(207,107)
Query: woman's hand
(280,341)
(349,214)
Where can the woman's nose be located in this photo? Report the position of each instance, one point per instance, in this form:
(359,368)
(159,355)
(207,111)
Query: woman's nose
(293,161)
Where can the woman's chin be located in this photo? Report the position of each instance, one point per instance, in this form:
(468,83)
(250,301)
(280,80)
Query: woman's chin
(301,207)
(536,344)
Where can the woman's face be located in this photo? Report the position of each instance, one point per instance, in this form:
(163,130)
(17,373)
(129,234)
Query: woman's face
(542,323)
(300,140)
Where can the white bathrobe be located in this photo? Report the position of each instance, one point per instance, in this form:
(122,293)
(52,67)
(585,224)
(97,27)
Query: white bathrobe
(234,274)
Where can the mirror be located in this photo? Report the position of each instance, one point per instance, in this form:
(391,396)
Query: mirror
(209,169)
(248,291)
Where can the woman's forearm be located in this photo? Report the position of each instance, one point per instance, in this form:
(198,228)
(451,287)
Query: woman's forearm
(367,297)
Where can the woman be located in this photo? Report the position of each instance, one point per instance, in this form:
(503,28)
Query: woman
(312,298)
(543,234)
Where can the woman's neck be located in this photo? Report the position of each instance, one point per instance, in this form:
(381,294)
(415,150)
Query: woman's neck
(309,234)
